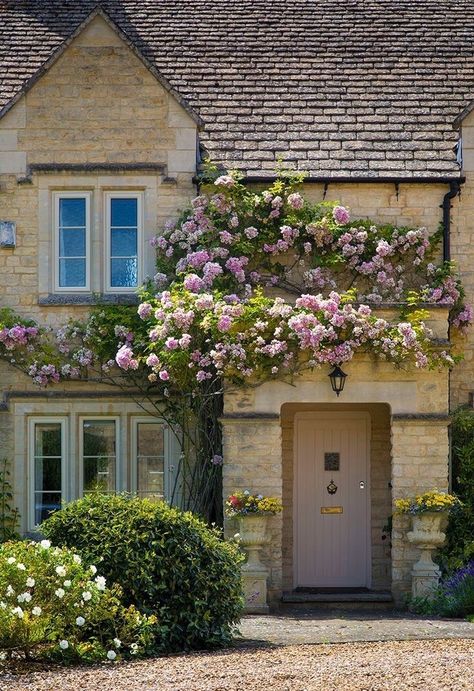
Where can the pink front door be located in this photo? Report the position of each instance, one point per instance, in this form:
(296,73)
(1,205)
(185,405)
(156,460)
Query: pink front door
(331,500)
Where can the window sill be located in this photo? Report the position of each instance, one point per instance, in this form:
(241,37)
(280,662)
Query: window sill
(89,299)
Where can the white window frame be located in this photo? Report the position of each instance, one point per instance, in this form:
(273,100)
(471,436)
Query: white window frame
(64,195)
(118,457)
(168,461)
(123,194)
(32,422)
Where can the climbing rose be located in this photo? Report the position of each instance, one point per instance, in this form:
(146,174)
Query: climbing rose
(341,215)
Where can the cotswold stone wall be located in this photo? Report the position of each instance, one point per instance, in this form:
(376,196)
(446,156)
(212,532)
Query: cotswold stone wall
(420,449)
(98,104)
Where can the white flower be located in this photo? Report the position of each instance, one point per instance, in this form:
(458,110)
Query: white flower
(100,580)
(86,595)
(19,612)
(77,558)
(67,584)
(60,593)
(36,611)
(10,591)
(134,648)
(45,544)
(30,582)
(64,645)
(24,597)
(60,570)
(111,654)
(80,621)
(11,560)
(93,569)
(117,642)
(3,605)
(21,566)
(3,655)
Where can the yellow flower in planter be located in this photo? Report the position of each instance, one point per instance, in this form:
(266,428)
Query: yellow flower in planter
(428,501)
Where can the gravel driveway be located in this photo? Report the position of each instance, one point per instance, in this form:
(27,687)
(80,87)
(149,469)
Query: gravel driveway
(437,665)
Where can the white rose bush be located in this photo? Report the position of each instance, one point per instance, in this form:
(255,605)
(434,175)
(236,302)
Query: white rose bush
(52,606)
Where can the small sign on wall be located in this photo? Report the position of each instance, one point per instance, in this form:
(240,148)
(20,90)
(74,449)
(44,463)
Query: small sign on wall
(7,234)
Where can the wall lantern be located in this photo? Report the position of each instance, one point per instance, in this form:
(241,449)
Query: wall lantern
(338,379)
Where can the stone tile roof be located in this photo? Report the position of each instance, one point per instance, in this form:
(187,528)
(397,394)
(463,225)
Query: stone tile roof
(366,88)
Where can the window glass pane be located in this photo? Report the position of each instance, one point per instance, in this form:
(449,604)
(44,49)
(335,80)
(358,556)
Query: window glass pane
(48,439)
(72,211)
(150,460)
(123,212)
(46,503)
(124,242)
(99,455)
(47,470)
(150,439)
(124,273)
(48,474)
(72,273)
(72,242)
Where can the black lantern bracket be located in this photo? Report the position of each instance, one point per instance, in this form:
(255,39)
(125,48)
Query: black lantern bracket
(338,379)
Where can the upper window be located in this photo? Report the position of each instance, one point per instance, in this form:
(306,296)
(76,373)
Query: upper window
(72,240)
(123,240)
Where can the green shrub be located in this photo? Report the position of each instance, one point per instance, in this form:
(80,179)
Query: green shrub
(453,598)
(8,514)
(53,606)
(459,548)
(169,563)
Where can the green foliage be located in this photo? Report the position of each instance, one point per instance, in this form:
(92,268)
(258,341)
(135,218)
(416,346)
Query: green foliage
(169,563)
(52,606)
(8,514)
(459,547)
(453,598)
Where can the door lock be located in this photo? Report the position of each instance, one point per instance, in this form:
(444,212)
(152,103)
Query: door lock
(361,484)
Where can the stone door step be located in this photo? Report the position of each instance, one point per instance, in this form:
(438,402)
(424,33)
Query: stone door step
(344,598)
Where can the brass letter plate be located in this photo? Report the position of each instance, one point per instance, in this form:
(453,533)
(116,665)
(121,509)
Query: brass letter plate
(331,509)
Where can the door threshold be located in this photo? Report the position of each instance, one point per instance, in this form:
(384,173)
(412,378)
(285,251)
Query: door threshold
(336,595)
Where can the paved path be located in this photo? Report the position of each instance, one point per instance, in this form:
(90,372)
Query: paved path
(336,626)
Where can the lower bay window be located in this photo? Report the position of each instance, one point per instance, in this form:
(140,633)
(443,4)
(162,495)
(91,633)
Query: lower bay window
(47,461)
(71,456)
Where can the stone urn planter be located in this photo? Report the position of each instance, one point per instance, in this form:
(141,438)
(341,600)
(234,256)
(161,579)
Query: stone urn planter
(427,535)
(252,532)
(252,511)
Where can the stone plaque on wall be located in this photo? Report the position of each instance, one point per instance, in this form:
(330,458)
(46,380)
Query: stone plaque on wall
(7,234)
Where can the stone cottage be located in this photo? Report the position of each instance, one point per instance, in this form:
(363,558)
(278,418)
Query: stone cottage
(106,110)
